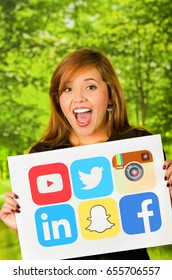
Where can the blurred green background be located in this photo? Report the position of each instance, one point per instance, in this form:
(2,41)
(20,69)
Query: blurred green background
(36,35)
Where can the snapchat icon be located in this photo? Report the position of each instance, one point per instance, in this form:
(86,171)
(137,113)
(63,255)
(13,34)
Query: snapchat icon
(99,218)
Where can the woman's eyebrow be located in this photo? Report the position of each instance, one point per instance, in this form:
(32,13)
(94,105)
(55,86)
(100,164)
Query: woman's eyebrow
(85,80)
(90,79)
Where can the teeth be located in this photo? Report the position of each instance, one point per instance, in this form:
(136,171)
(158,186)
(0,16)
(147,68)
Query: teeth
(82,110)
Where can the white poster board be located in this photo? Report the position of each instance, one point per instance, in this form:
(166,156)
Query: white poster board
(92,199)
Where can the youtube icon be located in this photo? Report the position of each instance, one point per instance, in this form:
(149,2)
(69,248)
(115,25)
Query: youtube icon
(49,183)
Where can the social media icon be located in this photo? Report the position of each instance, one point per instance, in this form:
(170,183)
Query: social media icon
(96,212)
(99,218)
(56,225)
(91,180)
(140,213)
(134,171)
(49,183)
(91,177)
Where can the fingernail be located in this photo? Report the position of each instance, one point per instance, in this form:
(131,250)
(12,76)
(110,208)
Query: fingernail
(16,196)
(18,206)
(17,210)
(165,178)
(164,166)
(168,184)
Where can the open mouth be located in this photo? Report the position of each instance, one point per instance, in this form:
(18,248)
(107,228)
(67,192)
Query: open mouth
(82,115)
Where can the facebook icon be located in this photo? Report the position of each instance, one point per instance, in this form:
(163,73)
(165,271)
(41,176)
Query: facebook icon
(140,213)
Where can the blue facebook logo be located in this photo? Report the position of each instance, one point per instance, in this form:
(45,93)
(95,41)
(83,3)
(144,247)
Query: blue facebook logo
(91,177)
(140,213)
(56,225)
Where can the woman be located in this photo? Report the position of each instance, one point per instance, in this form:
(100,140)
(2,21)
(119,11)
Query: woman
(87,107)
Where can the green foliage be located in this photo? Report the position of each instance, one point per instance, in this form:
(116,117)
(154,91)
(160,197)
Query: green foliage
(36,35)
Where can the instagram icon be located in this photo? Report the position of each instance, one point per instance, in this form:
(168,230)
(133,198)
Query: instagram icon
(134,171)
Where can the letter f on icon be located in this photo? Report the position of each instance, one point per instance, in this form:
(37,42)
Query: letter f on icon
(145,214)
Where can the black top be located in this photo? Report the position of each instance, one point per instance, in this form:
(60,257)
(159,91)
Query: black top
(42,147)
(138,254)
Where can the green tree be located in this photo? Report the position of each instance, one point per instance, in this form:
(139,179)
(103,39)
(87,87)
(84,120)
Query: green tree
(35,35)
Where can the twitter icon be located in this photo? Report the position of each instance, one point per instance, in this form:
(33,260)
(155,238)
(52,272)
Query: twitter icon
(91,177)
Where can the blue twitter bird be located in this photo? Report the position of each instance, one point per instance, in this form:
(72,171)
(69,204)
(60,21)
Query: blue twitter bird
(91,180)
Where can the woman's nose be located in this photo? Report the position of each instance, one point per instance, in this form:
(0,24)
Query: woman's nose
(79,96)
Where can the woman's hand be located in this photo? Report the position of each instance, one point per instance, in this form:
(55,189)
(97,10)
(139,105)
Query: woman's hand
(9,208)
(168,175)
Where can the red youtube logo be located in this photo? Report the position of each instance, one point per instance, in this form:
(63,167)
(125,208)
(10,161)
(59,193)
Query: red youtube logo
(49,183)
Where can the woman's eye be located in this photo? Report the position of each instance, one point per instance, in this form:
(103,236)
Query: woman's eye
(68,89)
(91,87)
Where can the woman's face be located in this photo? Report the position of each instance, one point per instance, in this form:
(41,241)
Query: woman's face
(84,103)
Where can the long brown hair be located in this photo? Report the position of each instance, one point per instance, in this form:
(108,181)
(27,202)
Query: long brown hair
(58,128)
